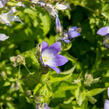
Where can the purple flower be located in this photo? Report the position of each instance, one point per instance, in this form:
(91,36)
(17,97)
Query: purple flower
(72,33)
(50,56)
(2,3)
(103,31)
(58,25)
(46,106)
(106,104)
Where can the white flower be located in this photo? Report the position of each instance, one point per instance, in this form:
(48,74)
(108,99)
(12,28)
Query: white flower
(2,3)
(20,4)
(3,37)
(61,6)
(8,17)
(50,8)
(34,1)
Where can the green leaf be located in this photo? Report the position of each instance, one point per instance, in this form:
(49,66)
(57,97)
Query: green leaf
(94,92)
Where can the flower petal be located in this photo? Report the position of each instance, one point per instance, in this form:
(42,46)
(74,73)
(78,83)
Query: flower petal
(16,18)
(65,40)
(73,34)
(46,106)
(48,57)
(106,104)
(62,7)
(2,3)
(72,29)
(58,25)
(103,31)
(60,60)
(56,69)
(44,46)
(56,46)
(3,37)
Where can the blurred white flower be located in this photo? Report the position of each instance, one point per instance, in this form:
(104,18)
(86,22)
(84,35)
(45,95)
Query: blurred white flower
(2,3)
(8,17)
(3,37)
(62,6)
(20,4)
(34,1)
(52,11)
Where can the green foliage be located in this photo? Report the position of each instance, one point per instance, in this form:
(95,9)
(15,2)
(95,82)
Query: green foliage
(23,86)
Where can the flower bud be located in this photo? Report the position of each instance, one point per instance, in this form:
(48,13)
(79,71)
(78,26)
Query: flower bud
(58,25)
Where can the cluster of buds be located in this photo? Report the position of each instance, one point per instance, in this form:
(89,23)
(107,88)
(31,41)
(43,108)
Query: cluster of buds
(17,60)
(15,86)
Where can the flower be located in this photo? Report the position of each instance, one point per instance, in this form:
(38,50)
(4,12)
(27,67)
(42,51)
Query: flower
(46,106)
(71,34)
(50,56)
(58,25)
(106,104)
(3,37)
(2,3)
(8,17)
(103,31)
(62,6)
(21,4)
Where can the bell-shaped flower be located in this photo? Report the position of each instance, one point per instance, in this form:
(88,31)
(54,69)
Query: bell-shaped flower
(103,31)
(106,104)
(62,6)
(2,3)
(58,25)
(8,17)
(3,37)
(71,34)
(50,56)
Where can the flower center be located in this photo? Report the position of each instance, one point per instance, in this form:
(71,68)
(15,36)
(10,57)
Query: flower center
(48,57)
(45,58)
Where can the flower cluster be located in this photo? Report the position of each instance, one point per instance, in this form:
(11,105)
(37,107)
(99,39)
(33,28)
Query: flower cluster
(71,34)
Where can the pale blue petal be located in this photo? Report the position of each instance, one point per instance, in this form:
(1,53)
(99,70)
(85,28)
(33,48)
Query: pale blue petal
(73,34)
(60,60)
(65,39)
(72,29)
(44,46)
(56,47)
(103,31)
(46,106)
(56,69)
(58,25)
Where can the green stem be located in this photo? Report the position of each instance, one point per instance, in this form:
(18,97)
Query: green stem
(26,68)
